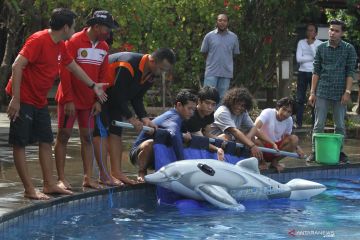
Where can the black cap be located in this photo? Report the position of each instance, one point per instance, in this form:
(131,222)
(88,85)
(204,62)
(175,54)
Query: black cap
(103,17)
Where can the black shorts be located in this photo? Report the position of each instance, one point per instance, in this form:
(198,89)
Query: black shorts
(133,155)
(33,125)
(103,122)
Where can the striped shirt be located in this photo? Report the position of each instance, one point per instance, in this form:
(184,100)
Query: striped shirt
(333,66)
(93,59)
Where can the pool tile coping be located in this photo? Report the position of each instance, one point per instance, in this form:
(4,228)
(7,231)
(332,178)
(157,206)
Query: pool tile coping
(76,202)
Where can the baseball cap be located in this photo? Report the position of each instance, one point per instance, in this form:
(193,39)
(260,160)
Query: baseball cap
(102,17)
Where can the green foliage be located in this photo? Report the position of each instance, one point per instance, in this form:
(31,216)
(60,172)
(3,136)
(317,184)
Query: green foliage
(265,29)
(351,16)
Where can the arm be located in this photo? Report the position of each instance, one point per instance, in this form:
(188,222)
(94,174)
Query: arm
(240,137)
(173,126)
(16,78)
(80,74)
(205,47)
(137,103)
(258,123)
(219,152)
(66,79)
(299,151)
(350,74)
(262,136)
(315,77)
(300,58)
(314,82)
(65,75)
(236,49)
(346,96)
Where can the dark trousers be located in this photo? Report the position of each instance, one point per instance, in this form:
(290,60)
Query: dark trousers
(303,81)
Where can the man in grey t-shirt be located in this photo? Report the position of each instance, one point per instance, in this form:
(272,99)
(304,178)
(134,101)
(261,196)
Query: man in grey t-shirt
(232,121)
(219,47)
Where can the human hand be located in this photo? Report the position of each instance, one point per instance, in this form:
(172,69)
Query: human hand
(147,122)
(69,109)
(99,91)
(220,154)
(96,108)
(13,108)
(345,99)
(275,146)
(187,137)
(255,152)
(312,100)
(138,125)
(300,152)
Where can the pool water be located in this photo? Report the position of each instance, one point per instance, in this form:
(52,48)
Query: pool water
(333,214)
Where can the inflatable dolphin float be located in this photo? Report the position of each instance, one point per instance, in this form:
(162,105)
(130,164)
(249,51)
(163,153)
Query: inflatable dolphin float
(224,185)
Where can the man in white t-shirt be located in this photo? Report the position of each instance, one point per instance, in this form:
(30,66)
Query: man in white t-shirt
(276,123)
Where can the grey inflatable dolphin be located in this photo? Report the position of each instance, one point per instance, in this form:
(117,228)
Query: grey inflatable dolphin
(224,185)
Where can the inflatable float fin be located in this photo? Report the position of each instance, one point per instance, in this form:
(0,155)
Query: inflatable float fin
(218,196)
(252,164)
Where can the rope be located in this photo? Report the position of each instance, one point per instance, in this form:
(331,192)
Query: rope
(103,133)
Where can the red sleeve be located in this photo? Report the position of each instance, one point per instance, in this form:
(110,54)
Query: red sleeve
(65,75)
(32,48)
(66,58)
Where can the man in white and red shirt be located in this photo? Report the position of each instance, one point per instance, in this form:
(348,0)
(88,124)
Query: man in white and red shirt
(33,73)
(276,124)
(76,101)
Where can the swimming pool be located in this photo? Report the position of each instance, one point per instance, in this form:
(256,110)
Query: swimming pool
(332,214)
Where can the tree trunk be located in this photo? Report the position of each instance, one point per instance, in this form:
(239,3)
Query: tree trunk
(5,68)
(14,27)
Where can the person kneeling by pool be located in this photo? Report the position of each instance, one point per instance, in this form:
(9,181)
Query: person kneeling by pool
(276,124)
(142,153)
(200,122)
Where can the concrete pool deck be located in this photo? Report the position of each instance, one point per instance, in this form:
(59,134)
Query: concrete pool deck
(11,189)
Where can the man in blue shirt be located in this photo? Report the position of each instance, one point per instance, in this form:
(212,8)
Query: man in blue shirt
(334,71)
(142,152)
(219,47)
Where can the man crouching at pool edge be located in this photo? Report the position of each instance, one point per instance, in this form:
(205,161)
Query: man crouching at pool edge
(142,153)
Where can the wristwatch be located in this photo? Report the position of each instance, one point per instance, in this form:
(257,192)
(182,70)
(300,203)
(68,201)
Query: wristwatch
(348,91)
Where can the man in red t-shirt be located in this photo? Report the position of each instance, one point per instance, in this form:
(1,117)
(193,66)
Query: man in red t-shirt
(77,101)
(33,73)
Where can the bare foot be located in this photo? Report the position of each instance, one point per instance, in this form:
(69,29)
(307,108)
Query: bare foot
(123,178)
(111,182)
(56,189)
(263,166)
(89,183)
(140,179)
(64,184)
(141,176)
(278,166)
(36,195)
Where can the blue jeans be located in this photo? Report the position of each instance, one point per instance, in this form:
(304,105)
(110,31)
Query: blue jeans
(220,83)
(321,110)
(303,81)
